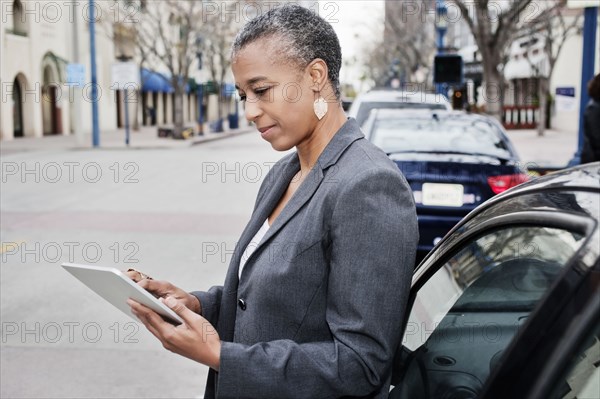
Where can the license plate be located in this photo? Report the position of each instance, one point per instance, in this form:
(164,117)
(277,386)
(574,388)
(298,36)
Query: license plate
(438,194)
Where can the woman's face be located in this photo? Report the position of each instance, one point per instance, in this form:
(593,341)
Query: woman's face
(279,98)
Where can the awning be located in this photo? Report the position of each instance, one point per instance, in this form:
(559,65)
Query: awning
(192,86)
(522,68)
(155,82)
(527,58)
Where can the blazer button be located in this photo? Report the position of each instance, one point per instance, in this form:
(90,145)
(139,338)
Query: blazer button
(242,304)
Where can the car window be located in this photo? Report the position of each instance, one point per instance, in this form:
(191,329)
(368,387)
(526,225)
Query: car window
(366,107)
(582,379)
(469,310)
(406,134)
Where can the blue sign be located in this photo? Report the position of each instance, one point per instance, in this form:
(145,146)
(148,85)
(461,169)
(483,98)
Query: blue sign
(565,91)
(76,75)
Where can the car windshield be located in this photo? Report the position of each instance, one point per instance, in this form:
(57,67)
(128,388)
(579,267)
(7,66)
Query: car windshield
(367,107)
(438,135)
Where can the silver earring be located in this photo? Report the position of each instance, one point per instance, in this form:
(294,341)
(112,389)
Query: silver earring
(320,107)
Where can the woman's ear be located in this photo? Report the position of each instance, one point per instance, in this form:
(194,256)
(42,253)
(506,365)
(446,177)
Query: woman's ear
(319,74)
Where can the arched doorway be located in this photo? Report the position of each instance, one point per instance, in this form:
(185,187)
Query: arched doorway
(17,99)
(51,113)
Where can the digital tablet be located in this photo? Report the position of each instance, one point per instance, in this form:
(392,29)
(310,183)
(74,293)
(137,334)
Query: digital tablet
(114,286)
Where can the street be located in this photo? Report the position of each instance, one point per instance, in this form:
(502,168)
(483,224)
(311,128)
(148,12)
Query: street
(174,214)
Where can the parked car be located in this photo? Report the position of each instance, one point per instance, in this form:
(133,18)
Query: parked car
(395,99)
(508,304)
(453,162)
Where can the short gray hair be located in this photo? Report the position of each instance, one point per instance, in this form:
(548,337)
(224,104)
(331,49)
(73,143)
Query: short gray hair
(304,37)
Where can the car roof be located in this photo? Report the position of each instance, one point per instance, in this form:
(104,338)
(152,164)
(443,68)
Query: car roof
(427,114)
(403,96)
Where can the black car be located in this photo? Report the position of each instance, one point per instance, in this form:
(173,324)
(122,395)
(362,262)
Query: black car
(508,304)
(453,162)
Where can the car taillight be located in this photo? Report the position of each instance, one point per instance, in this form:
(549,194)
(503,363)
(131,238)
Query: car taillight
(502,183)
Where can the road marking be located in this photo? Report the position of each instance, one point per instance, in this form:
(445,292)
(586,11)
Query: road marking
(10,245)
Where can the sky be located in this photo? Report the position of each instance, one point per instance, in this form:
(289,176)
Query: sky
(356,23)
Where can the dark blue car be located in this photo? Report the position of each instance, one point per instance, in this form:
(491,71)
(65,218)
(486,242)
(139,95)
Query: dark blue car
(453,162)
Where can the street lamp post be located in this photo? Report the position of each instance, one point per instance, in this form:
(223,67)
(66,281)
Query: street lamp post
(200,104)
(95,117)
(199,41)
(441,27)
(590,26)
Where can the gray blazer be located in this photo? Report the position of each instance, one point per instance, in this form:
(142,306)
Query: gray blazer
(319,305)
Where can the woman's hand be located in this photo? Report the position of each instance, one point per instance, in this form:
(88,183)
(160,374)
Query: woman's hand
(195,339)
(162,289)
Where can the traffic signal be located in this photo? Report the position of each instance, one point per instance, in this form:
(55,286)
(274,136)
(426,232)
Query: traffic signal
(459,98)
(448,68)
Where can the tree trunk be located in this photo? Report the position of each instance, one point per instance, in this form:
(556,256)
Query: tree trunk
(543,101)
(178,112)
(493,89)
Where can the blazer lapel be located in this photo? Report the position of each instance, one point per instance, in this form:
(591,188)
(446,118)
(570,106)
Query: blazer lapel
(280,180)
(347,134)
(300,197)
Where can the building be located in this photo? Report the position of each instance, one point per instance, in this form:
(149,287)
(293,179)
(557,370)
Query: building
(38,39)
(528,67)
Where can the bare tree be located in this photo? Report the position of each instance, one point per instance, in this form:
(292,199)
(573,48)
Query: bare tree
(554,28)
(218,31)
(377,63)
(493,25)
(409,41)
(164,34)
(407,46)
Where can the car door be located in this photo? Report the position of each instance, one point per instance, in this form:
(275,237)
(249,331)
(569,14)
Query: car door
(558,354)
(475,294)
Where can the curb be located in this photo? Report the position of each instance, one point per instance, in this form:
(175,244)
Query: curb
(179,143)
(112,145)
(219,136)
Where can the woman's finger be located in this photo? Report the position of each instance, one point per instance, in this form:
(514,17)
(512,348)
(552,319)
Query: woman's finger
(152,320)
(137,275)
(187,315)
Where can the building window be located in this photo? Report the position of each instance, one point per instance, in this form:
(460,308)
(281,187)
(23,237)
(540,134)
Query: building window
(19,23)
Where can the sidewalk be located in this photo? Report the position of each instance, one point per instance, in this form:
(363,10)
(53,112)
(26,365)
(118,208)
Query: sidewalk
(144,138)
(554,149)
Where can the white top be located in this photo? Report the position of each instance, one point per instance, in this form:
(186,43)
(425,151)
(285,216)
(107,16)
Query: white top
(253,244)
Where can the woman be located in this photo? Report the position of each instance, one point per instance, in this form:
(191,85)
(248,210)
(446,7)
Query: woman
(590,151)
(314,297)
